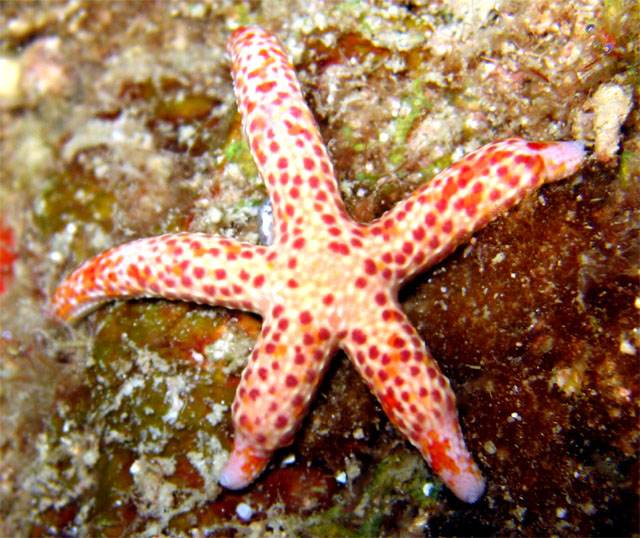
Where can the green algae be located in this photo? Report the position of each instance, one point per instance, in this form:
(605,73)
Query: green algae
(437,166)
(72,196)
(236,151)
(417,104)
(155,395)
(400,478)
(185,109)
(628,171)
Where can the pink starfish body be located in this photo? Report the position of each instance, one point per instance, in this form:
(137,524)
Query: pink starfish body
(326,282)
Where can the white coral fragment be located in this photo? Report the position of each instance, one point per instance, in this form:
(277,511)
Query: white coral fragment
(611,106)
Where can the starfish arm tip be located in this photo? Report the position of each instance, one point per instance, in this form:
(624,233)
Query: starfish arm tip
(563,158)
(244,465)
(70,311)
(69,302)
(468,486)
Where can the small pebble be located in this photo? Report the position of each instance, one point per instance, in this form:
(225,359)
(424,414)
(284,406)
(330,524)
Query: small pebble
(244,511)
(265,223)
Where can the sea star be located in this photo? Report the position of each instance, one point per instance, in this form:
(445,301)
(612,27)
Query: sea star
(326,282)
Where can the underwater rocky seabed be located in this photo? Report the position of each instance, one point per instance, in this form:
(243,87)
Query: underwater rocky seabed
(119,121)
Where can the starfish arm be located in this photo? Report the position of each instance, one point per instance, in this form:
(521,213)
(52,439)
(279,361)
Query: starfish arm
(282,133)
(186,266)
(414,394)
(436,218)
(275,391)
